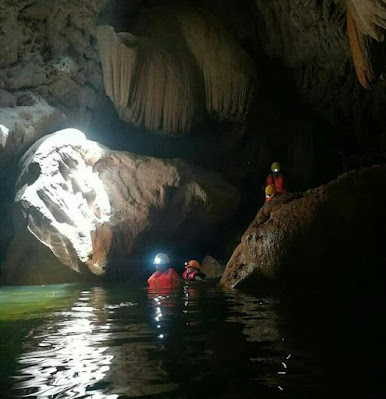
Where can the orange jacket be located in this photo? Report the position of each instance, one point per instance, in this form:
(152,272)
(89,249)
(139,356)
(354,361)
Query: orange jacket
(166,279)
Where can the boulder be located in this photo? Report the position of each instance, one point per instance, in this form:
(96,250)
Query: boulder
(324,234)
(78,204)
(211,267)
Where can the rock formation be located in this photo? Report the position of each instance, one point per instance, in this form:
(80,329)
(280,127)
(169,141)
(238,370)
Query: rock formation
(23,120)
(327,233)
(47,49)
(211,267)
(163,75)
(309,40)
(84,202)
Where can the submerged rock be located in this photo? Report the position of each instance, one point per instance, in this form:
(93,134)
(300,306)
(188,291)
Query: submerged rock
(86,203)
(330,233)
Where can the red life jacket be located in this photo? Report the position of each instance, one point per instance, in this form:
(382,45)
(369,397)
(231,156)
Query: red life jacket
(189,276)
(161,280)
(277,181)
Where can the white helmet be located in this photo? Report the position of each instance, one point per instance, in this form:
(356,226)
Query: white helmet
(161,259)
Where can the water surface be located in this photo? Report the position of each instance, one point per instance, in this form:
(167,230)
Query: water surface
(118,341)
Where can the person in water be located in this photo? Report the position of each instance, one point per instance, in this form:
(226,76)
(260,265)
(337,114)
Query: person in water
(276,178)
(192,271)
(164,277)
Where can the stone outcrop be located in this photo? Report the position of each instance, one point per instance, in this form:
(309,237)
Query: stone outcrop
(86,203)
(211,267)
(330,233)
(23,119)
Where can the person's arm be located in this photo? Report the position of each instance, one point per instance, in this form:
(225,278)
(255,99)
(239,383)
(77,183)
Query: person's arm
(175,278)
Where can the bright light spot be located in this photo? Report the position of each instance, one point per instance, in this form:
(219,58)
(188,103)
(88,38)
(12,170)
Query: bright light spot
(4,132)
(288,356)
(284,365)
(158,326)
(161,336)
(276,170)
(157,261)
(280,388)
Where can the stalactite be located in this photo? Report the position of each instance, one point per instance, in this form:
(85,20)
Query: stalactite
(366,21)
(182,61)
(359,44)
(369,17)
(227,69)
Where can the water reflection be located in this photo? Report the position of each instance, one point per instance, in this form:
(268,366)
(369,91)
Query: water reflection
(259,318)
(95,349)
(116,342)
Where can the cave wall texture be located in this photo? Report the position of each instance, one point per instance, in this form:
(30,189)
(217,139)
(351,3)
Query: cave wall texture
(317,88)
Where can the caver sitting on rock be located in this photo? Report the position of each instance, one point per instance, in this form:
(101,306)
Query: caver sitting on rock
(192,271)
(276,178)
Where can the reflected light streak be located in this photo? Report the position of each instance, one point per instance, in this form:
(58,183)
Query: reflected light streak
(73,359)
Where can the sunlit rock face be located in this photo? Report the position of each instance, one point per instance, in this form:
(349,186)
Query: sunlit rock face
(325,234)
(174,63)
(85,203)
(366,23)
(23,120)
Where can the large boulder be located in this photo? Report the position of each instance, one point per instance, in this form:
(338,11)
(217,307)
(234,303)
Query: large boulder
(332,233)
(78,203)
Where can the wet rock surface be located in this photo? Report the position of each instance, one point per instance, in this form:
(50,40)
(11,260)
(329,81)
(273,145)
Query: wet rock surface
(86,203)
(212,268)
(325,234)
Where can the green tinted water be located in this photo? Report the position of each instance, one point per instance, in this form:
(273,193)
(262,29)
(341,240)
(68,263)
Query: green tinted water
(116,341)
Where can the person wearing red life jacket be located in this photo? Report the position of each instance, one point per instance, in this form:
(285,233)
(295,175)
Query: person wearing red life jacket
(164,277)
(276,178)
(192,271)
